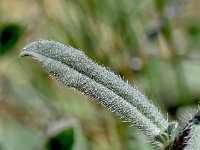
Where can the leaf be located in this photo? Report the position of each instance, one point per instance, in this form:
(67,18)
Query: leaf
(74,69)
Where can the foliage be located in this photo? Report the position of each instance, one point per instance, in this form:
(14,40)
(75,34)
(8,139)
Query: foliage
(72,68)
(152,44)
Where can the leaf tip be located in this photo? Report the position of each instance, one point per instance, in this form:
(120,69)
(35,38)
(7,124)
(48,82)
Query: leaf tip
(30,48)
(23,53)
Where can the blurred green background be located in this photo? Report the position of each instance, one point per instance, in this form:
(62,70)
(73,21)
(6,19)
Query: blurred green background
(153,44)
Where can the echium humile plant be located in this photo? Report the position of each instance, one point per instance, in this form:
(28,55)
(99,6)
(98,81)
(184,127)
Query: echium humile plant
(75,70)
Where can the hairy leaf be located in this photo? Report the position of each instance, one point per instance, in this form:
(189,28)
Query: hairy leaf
(74,69)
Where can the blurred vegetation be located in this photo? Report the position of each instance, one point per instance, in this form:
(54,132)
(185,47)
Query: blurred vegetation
(9,35)
(152,44)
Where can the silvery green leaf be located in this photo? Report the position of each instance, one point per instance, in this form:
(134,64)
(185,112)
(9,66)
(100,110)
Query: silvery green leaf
(74,69)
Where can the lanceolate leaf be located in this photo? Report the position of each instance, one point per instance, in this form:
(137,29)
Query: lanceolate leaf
(74,69)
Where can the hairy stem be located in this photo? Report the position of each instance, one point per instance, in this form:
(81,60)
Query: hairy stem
(189,136)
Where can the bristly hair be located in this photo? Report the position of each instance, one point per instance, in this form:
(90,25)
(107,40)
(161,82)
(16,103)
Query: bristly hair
(75,70)
(189,136)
